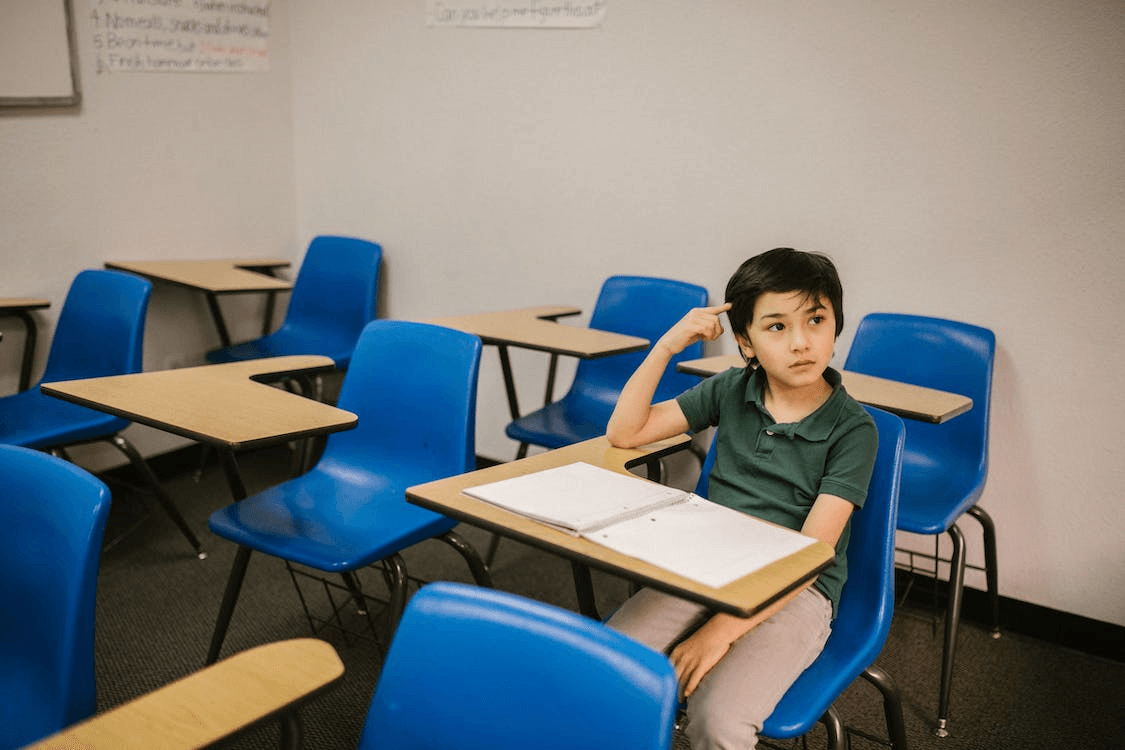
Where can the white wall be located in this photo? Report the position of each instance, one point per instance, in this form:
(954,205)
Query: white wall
(153,165)
(961,159)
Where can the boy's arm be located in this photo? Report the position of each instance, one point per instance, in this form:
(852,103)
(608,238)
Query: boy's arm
(636,420)
(697,654)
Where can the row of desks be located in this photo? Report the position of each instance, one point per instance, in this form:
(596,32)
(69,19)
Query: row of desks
(228,407)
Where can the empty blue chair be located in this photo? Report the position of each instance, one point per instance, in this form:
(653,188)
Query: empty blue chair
(333,298)
(866,608)
(52,518)
(632,305)
(478,669)
(945,465)
(100,332)
(413,386)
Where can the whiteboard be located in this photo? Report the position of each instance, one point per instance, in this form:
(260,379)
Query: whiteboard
(38,56)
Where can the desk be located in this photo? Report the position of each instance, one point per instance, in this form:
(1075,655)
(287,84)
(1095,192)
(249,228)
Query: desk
(204,707)
(535,328)
(21,308)
(215,277)
(223,406)
(744,597)
(903,399)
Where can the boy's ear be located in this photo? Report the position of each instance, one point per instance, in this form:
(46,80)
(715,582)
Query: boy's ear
(744,346)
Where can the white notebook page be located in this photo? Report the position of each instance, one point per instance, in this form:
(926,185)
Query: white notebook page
(702,540)
(576,497)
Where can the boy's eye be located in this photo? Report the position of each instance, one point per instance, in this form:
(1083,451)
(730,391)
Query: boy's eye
(776,327)
(816,320)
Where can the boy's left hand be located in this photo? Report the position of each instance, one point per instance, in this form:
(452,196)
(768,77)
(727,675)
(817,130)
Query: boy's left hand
(696,656)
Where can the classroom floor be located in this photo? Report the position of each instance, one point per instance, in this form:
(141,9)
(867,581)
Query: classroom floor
(157,604)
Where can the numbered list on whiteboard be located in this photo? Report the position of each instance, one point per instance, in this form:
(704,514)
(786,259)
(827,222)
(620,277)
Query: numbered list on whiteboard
(181,36)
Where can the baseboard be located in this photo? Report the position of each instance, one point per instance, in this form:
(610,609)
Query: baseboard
(1043,623)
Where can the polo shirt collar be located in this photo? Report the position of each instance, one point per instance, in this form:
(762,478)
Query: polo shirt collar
(816,426)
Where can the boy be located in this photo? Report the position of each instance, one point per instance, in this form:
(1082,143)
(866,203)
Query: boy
(792,448)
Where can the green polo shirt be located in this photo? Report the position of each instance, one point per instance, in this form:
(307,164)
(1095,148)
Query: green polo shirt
(776,471)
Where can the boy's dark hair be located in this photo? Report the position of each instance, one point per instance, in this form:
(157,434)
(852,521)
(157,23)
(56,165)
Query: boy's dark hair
(780,270)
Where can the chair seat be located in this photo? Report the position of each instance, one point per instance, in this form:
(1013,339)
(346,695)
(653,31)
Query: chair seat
(565,422)
(367,521)
(284,342)
(34,420)
(935,494)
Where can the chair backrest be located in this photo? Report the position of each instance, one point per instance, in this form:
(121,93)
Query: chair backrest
(645,307)
(867,599)
(52,519)
(336,287)
(475,668)
(414,386)
(101,327)
(942,354)
(866,608)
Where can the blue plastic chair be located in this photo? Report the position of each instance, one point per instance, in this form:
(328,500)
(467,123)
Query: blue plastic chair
(333,298)
(100,332)
(632,305)
(945,465)
(478,669)
(52,519)
(866,608)
(413,386)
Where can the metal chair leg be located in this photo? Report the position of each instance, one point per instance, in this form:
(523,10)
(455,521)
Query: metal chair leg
(477,566)
(493,545)
(292,731)
(394,573)
(952,619)
(991,571)
(230,597)
(351,583)
(837,734)
(162,497)
(892,705)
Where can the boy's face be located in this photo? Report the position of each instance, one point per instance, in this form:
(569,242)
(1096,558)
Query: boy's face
(793,336)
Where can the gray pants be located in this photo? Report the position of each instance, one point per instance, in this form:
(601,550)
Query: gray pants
(727,710)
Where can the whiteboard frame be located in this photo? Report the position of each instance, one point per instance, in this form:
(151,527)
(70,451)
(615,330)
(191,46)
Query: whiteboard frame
(71,100)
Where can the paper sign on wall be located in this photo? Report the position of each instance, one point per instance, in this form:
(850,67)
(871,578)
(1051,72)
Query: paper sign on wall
(539,14)
(181,36)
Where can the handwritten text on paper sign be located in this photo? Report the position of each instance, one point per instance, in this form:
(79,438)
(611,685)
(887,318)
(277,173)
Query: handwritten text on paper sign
(181,35)
(571,14)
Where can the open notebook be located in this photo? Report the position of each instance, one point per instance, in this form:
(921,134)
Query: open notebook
(667,527)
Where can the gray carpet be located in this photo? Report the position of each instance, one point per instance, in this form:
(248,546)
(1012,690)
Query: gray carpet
(157,605)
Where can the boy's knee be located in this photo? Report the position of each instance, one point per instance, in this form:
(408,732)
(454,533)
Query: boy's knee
(715,727)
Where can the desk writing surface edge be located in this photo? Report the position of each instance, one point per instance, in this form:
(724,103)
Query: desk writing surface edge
(11,304)
(213,703)
(216,276)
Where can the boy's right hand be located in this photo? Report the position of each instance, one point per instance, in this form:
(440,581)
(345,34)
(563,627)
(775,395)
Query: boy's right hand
(701,324)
